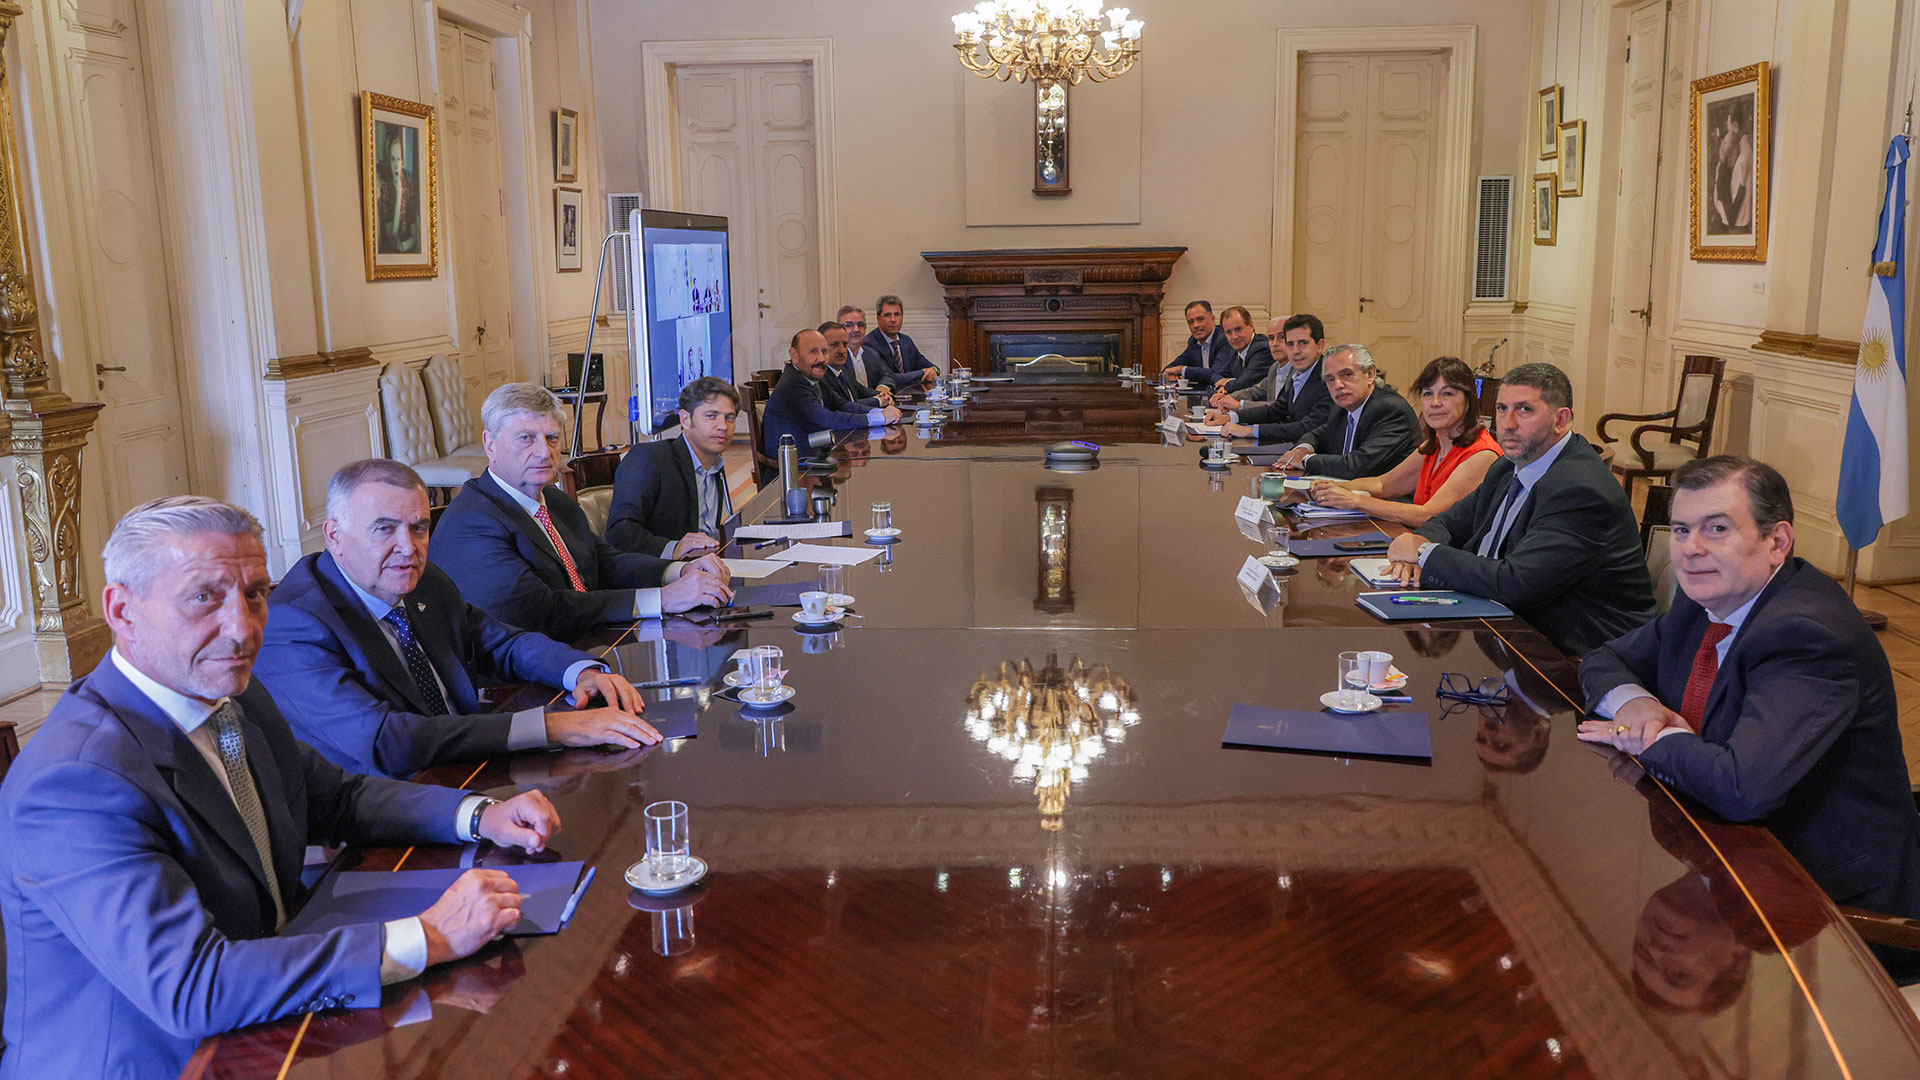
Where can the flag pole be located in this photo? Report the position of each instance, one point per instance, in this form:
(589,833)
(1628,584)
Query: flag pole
(1875,619)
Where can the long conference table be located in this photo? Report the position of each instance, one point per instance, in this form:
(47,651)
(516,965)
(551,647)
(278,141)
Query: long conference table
(891,895)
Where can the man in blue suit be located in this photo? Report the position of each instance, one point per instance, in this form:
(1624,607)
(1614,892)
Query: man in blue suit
(374,654)
(841,386)
(1764,696)
(1206,350)
(521,549)
(151,834)
(797,406)
(891,358)
(1252,356)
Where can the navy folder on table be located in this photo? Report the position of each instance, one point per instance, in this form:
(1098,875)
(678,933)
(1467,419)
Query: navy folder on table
(674,718)
(1376,734)
(1470,607)
(1321,549)
(350,897)
(776,594)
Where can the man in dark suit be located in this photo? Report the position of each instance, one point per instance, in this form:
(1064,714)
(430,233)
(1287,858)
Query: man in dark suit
(1764,696)
(891,358)
(840,387)
(151,834)
(1368,430)
(798,407)
(1206,349)
(670,496)
(1252,356)
(521,550)
(1548,533)
(1294,398)
(374,655)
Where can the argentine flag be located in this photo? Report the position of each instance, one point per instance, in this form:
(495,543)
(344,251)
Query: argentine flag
(1873,460)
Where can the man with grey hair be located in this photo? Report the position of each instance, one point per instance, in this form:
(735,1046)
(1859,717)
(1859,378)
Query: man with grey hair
(1370,429)
(151,834)
(376,657)
(521,549)
(890,357)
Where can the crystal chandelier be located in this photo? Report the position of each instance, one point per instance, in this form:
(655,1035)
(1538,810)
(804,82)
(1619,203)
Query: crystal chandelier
(1050,723)
(1048,41)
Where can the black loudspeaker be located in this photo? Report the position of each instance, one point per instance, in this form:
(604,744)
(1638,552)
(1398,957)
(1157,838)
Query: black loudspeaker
(596,372)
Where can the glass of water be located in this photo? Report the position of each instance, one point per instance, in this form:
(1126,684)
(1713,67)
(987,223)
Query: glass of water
(1221,450)
(669,847)
(833,579)
(1281,538)
(763,671)
(1353,673)
(882,515)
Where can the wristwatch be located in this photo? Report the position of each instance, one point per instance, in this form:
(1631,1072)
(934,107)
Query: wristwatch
(473,823)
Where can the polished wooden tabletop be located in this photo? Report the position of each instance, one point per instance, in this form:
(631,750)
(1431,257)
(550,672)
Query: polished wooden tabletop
(893,895)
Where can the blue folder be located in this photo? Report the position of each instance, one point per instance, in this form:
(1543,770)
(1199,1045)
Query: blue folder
(674,718)
(1322,549)
(352,897)
(1376,734)
(773,594)
(1381,605)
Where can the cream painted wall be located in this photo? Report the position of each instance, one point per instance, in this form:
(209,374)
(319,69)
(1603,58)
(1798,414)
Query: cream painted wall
(1208,127)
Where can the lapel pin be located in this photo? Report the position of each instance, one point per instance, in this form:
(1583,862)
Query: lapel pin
(419,607)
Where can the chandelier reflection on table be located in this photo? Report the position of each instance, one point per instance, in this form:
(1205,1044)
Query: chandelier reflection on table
(1048,41)
(1051,723)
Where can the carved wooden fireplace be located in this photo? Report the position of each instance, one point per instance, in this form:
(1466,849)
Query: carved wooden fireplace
(1055,311)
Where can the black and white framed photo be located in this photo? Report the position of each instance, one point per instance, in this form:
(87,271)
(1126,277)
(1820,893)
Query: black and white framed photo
(568,222)
(566,146)
(1549,117)
(397,171)
(1546,208)
(1573,155)
(1729,133)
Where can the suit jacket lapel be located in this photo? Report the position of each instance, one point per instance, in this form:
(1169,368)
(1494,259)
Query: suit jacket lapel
(563,523)
(432,628)
(690,480)
(1754,615)
(359,625)
(522,521)
(284,836)
(1489,520)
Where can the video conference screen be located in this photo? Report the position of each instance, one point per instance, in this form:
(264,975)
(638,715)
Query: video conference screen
(682,285)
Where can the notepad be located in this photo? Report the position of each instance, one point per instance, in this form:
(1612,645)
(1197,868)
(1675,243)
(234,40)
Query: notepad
(1386,734)
(821,553)
(354,897)
(753,569)
(806,530)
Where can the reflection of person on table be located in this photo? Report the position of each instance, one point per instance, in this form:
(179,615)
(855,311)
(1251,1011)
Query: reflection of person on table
(1763,695)
(1370,426)
(1453,456)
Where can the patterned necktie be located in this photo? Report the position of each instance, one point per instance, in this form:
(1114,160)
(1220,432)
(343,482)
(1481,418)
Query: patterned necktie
(1706,665)
(233,757)
(417,664)
(566,557)
(899,362)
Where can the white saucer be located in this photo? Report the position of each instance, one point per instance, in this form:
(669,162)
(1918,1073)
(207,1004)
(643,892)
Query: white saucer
(1331,699)
(785,693)
(735,679)
(882,534)
(839,600)
(1278,562)
(831,617)
(640,876)
(1209,463)
(1390,685)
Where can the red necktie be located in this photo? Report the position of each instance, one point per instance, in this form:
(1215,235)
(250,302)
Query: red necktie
(559,545)
(1706,664)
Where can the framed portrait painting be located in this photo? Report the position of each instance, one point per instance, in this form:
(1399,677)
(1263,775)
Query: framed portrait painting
(1573,155)
(1549,122)
(398,196)
(566,146)
(567,225)
(1546,208)
(1729,130)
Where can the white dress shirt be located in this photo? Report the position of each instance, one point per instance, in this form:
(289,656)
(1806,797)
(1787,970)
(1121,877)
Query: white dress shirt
(404,945)
(1625,692)
(646,602)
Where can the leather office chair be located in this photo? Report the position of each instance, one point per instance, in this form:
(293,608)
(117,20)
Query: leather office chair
(590,470)
(596,503)
(1660,566)
(1666,440)
(454,430)
(410,435)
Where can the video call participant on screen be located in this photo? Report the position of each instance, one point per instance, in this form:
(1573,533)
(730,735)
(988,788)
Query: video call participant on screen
(797,406)
(1548,532)
(1292,400)
(1763,695)
(670,495)
(152,832)
(1368,430)
(891,358)
(841,387)
(1454,454)
(376,658)
(1206,349)
(521,549)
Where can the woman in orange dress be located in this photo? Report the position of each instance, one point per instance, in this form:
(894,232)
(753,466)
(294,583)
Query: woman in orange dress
(1453,456)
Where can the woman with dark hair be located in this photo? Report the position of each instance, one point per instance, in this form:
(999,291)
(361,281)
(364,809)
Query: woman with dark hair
(1451,460)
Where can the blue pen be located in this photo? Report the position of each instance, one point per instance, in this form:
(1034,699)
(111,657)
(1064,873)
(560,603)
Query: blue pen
(578,891)
(658,684)
(1394,697)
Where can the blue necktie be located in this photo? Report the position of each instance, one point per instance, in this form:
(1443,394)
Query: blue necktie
(417,665)
(1353,425)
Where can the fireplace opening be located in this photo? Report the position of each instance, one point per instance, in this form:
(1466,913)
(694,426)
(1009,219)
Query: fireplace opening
(1063,354)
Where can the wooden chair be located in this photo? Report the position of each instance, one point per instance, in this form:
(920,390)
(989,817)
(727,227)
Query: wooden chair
(754,402)
(590,470)
(1686,429)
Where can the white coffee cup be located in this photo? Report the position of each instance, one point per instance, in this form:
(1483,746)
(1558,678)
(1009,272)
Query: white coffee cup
(936,392)
(923,416)
(814,603)
(1378,664)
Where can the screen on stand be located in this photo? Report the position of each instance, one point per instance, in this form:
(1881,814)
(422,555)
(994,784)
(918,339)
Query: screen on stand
(683,287)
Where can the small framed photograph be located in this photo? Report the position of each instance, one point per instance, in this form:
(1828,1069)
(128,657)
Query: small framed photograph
(1573,155)
(1549,122)
(1729,131)
(567,225)
(397,171)
(566,146)
(1546,208)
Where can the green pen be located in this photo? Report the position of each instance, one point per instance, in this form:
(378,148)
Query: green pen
(1438,601)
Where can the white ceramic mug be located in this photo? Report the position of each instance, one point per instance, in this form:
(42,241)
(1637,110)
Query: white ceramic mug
(923,416)
(814,603)
(1378,664)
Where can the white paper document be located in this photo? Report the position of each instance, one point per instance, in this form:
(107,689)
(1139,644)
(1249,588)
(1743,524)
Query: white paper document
(1203,429)
(751,569)
(821,553)
(1252,574)
(805,530)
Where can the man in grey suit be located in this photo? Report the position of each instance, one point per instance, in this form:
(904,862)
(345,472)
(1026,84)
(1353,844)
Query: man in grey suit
(151,834)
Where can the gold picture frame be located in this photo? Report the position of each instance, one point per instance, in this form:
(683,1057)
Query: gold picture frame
(566,146)
(1546,208)
(1573,156)
(1729,132)
(1548,115)
(399,169)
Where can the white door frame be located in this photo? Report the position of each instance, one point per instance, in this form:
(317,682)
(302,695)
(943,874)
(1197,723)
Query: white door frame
(1447,268)
(522,180)
(657,61)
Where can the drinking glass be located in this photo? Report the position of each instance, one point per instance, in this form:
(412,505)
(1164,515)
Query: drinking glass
(833,579)
(1220,450)
(763,670)
(1281,538)
(673,931)
(669,849)
(1353,673)
(882,515)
